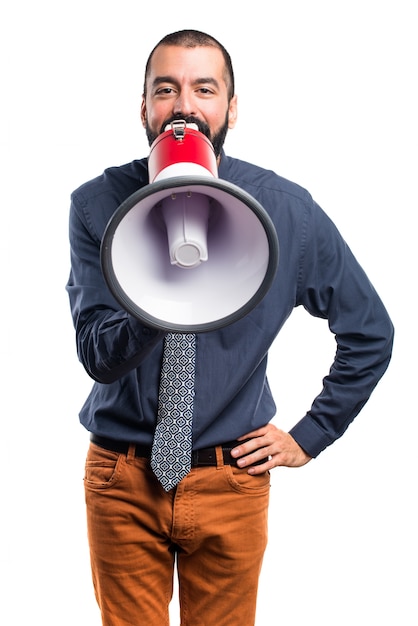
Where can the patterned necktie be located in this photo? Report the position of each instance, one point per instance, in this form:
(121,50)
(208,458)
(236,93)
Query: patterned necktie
(172,446)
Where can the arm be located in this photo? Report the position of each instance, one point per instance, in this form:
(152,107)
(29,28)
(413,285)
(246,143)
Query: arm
(110,342)
(331,285)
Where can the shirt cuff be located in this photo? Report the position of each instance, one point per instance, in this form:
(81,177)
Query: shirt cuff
(310,437)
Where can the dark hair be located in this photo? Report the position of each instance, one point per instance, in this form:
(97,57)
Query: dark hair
(193,39)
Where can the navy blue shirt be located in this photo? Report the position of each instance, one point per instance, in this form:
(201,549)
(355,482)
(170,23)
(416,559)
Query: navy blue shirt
(232,397)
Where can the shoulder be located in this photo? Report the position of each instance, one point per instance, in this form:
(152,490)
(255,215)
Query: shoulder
(296,215)
(260,181)
(94,202)
(116,182)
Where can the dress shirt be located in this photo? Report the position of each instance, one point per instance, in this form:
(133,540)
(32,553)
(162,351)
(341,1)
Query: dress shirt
(316,270)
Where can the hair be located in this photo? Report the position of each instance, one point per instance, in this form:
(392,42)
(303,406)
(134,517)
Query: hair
(193,39)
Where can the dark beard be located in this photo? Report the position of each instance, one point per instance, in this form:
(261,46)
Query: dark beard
(217,140)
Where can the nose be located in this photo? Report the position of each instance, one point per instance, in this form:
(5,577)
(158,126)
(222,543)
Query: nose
(184,104)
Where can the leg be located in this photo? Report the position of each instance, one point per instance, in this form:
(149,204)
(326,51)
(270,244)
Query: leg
(128,527)
(219,569)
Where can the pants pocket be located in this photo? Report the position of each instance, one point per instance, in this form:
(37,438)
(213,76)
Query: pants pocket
(241,481)
(102,467)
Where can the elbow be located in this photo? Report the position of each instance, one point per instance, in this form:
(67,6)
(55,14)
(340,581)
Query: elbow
(99,376)
(389,340)
(103,373)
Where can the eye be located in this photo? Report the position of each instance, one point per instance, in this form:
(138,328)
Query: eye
(164,91)
(205,91)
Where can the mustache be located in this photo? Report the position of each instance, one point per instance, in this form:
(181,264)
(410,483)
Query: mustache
(189,119)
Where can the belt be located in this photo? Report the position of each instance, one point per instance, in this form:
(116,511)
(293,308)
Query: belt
(200,458)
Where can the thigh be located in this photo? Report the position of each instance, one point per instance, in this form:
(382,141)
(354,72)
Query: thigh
(218,578)
(131,559)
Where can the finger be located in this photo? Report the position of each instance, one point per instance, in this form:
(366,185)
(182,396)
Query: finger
(256,457)
(254,470)
(245,448)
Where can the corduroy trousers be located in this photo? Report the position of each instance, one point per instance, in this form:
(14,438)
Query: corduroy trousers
(212,527)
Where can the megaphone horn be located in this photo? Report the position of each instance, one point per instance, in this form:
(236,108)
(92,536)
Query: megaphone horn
(188,252)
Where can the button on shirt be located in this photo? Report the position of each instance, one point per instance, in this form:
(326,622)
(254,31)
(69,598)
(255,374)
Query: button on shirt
(232,397)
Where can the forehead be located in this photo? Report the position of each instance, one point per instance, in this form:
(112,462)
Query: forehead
(187,64)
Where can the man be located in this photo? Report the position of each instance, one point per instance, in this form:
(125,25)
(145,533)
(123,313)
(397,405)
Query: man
(212,523)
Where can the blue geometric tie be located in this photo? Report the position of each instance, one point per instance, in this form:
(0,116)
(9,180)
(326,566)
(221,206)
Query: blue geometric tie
(172,446)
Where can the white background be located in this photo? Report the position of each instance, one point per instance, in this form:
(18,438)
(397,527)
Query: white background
(327,97)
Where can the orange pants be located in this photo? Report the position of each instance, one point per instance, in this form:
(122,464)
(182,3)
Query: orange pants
(213,526)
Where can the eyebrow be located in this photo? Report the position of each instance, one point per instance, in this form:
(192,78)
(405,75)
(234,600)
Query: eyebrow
(158,80)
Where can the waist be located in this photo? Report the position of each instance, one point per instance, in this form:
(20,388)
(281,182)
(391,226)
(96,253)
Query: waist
(200,458)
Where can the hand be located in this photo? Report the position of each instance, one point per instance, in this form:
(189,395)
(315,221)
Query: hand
(269,441)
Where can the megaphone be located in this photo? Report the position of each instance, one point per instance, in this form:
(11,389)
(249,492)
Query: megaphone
(188,252)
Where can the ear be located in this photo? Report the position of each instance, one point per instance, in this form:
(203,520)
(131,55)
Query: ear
(143,112)
(232,112)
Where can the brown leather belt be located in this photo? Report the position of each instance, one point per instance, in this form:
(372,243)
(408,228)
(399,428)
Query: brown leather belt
(205,457)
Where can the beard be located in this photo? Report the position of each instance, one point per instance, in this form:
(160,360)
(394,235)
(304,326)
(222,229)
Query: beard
(217,140)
